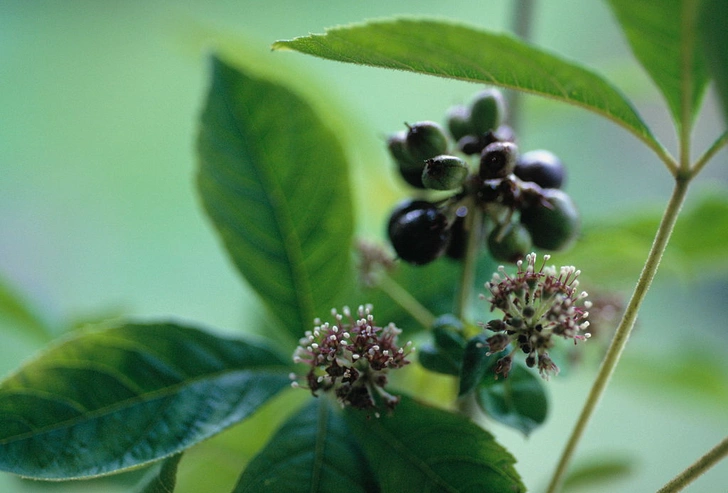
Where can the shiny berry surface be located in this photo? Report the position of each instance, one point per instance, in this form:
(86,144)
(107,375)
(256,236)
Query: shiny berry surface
(541,167)
(418,232)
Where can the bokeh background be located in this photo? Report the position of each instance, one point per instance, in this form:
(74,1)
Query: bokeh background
(99,216)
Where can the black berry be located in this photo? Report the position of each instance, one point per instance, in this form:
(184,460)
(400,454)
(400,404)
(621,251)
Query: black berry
(418,231)
(541,167)
(497,160)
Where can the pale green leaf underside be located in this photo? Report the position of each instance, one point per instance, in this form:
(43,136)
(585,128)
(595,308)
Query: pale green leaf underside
(313,451)
(663,37)
(113,399)
(273,179)
(456,51)
(420,448)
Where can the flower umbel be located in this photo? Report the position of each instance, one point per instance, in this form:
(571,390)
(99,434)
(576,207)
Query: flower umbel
(351,357)
(537,305)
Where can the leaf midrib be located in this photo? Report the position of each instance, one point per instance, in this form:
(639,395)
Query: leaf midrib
(274,195)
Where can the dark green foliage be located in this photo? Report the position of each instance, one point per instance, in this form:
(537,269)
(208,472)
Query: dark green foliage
(108,400)
(274,181)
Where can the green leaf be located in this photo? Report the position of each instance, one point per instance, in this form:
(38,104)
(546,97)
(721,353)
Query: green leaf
(663,38)
(598,470)
(273,179)
(476,362)
(313,451)
(445,353)
(518,401)
(19,313)
(713,25)
(456,51)
(432,285)
(107,400)
(419,448)
(165,480)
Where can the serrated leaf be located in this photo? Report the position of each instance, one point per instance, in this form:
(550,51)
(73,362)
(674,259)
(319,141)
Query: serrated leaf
(165,480)
(518,401)
(313,451)
(419,448)
(714,29)
(664,39)
(476,362)
(273,179)
(107,400)
(456,51)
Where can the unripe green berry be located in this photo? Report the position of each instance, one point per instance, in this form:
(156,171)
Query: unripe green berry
(397,145)
(509,242)
(409,169)
(444,173)
(498,160)
(426,140)
(552,220)
(458,122)
(487,111)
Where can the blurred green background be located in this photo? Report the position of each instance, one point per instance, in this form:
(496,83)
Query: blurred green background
(99,215)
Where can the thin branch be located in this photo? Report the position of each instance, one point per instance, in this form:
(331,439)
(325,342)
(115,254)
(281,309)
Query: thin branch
(474,227)
(522,22)
(715,455)
(405,299)
(622,334)
(720,143)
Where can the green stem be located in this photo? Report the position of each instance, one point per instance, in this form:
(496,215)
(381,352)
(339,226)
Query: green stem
(623,331)
(404,299)
(472,249)
(690,474)
(721,142)
(522,22)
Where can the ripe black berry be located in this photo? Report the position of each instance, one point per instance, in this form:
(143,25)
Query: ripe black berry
(497,160)
(541,167)
(418,231)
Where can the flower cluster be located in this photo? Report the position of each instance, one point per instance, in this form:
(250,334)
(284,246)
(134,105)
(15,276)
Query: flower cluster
(351,357)
(537,305)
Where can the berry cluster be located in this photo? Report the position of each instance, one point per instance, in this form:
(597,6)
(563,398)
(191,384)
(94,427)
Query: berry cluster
(537,305)
(351,358)
(520,195)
